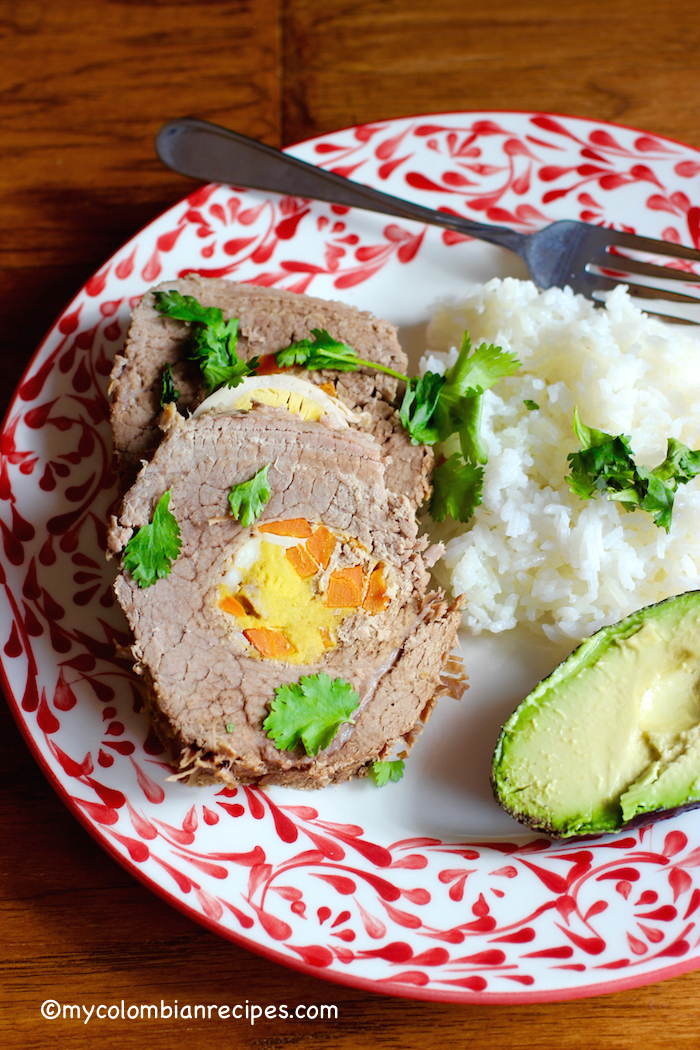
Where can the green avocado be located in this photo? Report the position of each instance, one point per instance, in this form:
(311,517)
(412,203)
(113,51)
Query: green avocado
(612,737)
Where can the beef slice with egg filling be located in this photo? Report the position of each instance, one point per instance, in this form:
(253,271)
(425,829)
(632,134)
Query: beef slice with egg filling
(209,686)
(270,320)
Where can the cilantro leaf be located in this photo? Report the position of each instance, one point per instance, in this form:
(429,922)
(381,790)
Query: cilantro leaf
(248,499)
(436,407)
(681,463)
(591,438)
(169,392)
(480,370)
(215,351)
(322,352)
(311,712)
(531,406)
(658,498)
(606,465)
(187,308)
(383,772)
(605,468)
(212,340)
(151,551)
(470,440)
(459,407)
(418,407)
(456,489)
(326,352)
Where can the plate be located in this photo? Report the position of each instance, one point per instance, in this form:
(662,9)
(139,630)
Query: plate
(426,889)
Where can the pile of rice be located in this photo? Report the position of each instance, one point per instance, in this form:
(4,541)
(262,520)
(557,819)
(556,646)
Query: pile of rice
(534,553)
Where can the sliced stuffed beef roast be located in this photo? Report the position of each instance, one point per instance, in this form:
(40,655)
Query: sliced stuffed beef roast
(329,579)
(269,320)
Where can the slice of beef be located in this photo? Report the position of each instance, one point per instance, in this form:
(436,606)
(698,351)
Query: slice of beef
(270,320)
(209,689)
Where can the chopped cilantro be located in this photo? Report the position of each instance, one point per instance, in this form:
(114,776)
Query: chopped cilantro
(169,392)
(531,406)
(248,499)
(212,340)
(151,551)
(311,712)
(383,772)
(605,465)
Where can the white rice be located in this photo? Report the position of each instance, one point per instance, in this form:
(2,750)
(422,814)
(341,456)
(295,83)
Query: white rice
(534,553)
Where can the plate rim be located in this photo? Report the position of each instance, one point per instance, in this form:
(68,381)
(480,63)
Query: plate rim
(503,112)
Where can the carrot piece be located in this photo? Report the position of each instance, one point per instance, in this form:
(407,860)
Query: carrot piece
(320,546)
(302,561)
(376,599)
(273,644)
(326,637)
(298,527)
(232,605)
(329,388)
(268,366)
(345,588)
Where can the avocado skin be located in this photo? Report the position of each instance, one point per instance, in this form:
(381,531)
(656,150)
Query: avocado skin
(652,817)
(609,817)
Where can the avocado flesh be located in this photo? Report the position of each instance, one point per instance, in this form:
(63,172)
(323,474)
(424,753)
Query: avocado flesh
(614,732)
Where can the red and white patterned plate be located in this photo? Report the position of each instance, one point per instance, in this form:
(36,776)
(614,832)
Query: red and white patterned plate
(424,888)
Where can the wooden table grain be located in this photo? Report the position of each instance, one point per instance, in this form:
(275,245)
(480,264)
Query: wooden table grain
(85,85)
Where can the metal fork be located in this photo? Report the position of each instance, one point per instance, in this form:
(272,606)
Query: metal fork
(589,259)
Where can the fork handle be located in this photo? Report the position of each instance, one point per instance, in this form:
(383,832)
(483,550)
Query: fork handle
(214,154)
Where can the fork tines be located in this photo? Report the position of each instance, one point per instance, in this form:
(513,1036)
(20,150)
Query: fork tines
(610,265)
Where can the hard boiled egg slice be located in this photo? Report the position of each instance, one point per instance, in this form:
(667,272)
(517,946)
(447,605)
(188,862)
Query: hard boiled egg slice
(280,391)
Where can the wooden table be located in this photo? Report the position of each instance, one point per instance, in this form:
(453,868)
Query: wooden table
(85,86)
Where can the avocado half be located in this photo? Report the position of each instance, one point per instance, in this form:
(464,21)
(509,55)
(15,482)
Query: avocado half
(612,737)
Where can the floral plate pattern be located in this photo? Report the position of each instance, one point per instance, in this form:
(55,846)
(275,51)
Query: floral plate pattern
(427,889)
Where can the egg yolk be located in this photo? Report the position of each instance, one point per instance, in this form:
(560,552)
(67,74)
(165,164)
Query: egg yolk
(276,599)
(271,591)
(307,408)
